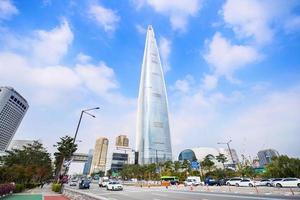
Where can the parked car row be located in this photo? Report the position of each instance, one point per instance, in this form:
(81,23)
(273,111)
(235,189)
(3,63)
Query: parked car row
(276,182)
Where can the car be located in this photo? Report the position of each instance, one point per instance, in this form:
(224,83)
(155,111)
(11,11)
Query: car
(233,181)
(287,182)
(245,183)
(273,180)
(103,181)
(222,181)
(114,185)
(73,183)
(210,181)
(193,180)
(264,182)
(84,184)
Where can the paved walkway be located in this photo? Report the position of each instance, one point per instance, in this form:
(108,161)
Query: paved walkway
(38,193)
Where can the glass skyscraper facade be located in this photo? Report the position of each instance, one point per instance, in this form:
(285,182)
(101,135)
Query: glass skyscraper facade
(153,141)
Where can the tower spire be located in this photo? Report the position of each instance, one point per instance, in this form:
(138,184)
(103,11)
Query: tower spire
(153,133)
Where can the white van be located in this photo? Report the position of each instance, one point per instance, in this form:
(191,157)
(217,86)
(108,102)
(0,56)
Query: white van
(193,180)
(103,181)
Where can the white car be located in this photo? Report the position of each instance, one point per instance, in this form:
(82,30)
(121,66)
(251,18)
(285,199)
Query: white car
(114,185)
(103,181)
(245,183)
(264,182)
(193,180)
(274,180)
(287,182)
(233,181)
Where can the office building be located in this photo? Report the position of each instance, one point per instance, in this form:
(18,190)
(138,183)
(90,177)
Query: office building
(122,141)
(200,153)
(100,155)
(153,140)
(19,144)
(265,156)
(12,110)
(118,157)
(88,163)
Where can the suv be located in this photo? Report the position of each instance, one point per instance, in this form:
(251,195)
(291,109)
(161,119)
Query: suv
(288,182)
(233,181)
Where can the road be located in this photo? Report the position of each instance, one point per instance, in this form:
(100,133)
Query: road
(160,193)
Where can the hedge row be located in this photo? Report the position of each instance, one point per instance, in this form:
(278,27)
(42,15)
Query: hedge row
(6,188)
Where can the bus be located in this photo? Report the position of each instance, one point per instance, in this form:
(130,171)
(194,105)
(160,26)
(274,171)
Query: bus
(173,180)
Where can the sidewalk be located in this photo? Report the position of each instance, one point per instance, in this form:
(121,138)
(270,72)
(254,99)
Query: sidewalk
(44,193)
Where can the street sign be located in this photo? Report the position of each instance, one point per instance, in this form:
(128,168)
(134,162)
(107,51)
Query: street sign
(195,165)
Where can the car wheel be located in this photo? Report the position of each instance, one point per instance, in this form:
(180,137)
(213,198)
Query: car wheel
(250,185)
(269,184)
(237,185)
(298,185)
(278,185)
(228,184)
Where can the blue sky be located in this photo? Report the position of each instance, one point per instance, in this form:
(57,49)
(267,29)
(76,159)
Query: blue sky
(231,68)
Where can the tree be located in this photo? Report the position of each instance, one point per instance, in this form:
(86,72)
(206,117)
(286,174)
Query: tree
(283,166)
(32,164)
(207,162)
(222,159)
(65,150)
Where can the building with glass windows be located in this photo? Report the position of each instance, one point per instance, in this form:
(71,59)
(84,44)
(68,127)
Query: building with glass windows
(153,141)
(12,110)
(88,163)
(265,156)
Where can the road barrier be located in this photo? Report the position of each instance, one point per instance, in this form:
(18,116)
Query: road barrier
(78,195)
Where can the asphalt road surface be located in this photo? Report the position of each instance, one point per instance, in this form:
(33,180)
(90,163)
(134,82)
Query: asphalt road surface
(136,193)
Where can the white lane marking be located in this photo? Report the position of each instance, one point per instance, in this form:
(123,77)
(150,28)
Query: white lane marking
(162,195)
(228,195)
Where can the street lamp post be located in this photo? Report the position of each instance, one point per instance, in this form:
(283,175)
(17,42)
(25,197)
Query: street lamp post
(227,143)
(74,139)
(75,136)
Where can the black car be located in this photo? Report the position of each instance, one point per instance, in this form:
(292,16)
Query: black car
(84,184)
(222,181)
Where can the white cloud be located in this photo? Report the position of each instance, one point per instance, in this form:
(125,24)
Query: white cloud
(178,11)
(83,58)
(258,19)
(7,9)
(165,50)
(253,120)
(140,29)
(225,58)
(50,46)
(104,17)
(184,85)
(274,122)
(45,79)
(100,79)
(210,82)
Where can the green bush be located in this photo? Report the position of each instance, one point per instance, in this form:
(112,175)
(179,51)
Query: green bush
(56,187)
(19,188)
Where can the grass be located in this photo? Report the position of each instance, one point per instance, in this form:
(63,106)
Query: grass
(24,197)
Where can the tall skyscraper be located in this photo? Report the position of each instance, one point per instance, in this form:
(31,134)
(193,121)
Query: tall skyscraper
(12,110)
(100,155)
(153,141)
(122,141)
(265,156)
